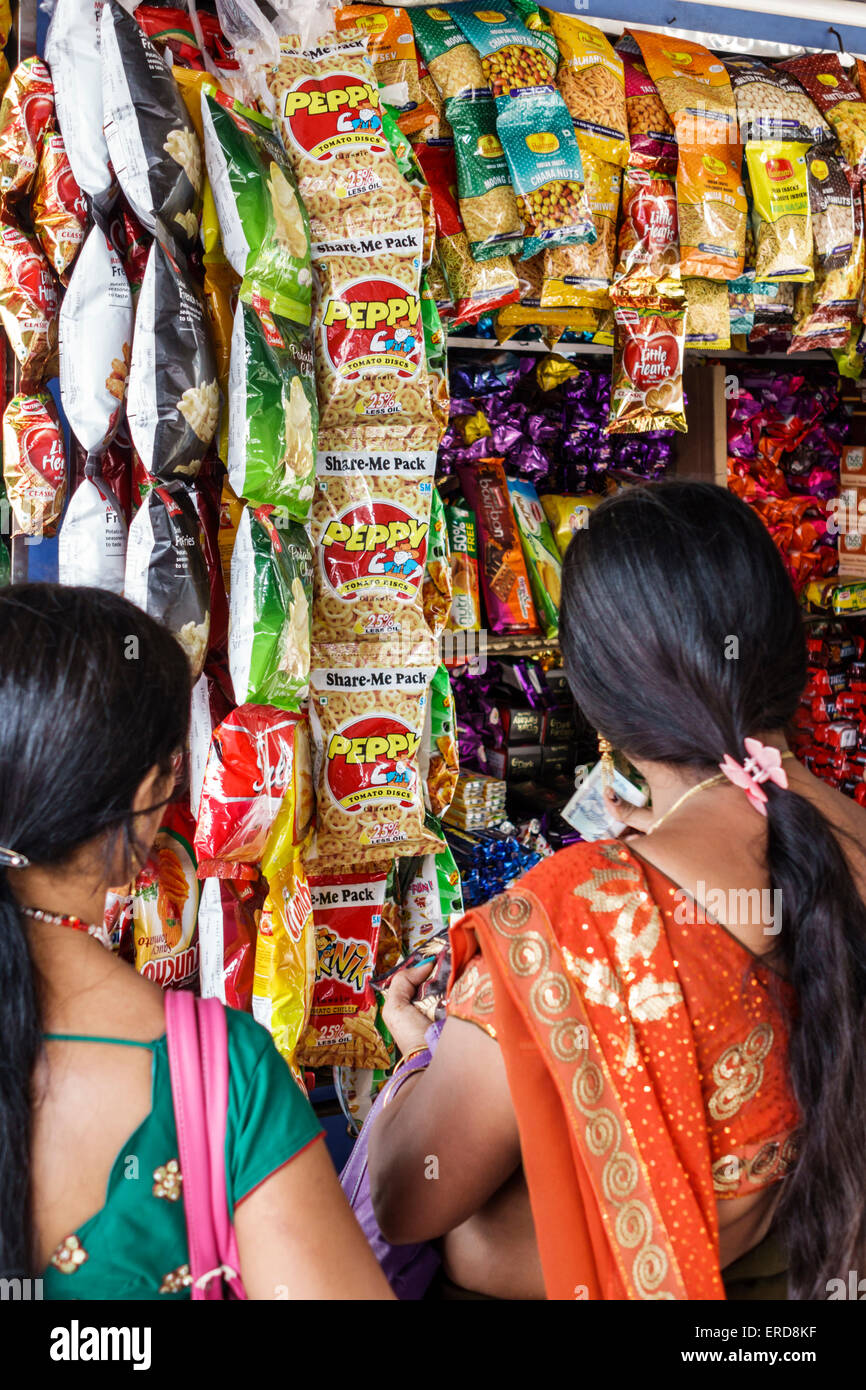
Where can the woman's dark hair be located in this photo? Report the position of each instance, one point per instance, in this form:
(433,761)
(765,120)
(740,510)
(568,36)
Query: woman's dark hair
(682,636)
(93,695)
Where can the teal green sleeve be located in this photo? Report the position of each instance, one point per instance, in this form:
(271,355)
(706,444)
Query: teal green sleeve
(270,1118)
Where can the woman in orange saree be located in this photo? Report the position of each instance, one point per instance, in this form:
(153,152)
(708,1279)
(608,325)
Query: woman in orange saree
(646,1088)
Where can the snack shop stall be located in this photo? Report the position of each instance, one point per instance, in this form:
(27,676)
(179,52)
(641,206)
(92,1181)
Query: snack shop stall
(323,330)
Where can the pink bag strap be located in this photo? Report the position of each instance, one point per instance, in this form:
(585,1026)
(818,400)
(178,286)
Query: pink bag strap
(199,1068)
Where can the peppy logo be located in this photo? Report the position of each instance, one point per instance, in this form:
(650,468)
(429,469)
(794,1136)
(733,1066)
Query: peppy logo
(377,548)
(332,115)
(373,327)
(370,763)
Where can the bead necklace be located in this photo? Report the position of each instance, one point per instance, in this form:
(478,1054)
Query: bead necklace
(56,919)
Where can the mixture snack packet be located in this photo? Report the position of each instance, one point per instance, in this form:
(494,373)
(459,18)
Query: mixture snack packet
(166,573)
(652,141)
(151,139)
(647,380)
(72,52)
(285,961)
(273,414)
(165,905)
(513,57)
(436,586)
(540,552)
(173,401)
(538,139)
(771,104)
(270,605)
(533,286)
(780,192)
(92,543)
(370,531)
(708,318)
(264,225)
(439,764)
(648,244)
(368,727)
(698,96)
(567,514)
(409,167)
(580,275)
(391,50)
(828,310)
(474,287)
(836,96)
(453,64)
(95,341)
(832,203)
(487,204)
(58,208)
(26,113)
(347,911)
(328,110)
(504,581)
(591,80)
(34,464)
(465,615)
(28,306)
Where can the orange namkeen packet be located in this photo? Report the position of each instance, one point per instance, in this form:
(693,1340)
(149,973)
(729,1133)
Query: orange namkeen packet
(697,94)
(391,49)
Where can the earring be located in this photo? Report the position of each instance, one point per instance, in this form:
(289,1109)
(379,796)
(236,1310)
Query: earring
(605,748)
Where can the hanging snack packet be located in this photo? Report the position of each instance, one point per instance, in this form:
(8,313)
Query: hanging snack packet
(411,171)
(487,203)
(328,111)
(438,759)
(465,613)
(780,191)
(391,50)
(166,574)
(26,113)
(708,317)
(475,288)
(72,53)
(347,911)
(649,246)
(826,311)
(453,64)
(546,170)
(28,306)
(543,564)
(436,589)
(368,726)
(273,415)
(370,531)
(95,333)
(580,275)
(269,611)
(567,514)
(173,403)
(591,80)
(513,57)
(263,223)
(436,348)
(697,93)
(92,544)
(58,208)
(652,142)
(285,960)
(34,464)
(258,760)
(165,905)
(771,104)
(647,380)
(836,96)
(504,581)
(832,203)
(528,311)
(227,938)
(431,900)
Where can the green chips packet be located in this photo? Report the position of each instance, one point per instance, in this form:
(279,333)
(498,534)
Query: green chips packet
(264,224)
(270,610)
(273,417)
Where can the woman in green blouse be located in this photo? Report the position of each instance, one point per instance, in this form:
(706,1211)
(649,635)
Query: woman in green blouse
(91,1196)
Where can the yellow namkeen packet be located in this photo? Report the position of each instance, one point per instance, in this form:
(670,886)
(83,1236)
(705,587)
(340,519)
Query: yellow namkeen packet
(592,82)
(285,967)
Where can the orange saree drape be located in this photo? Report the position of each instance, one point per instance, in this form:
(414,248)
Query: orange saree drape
(589,1009)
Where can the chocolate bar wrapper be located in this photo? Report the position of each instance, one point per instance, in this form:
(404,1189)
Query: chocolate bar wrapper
(540,552)
(504,581)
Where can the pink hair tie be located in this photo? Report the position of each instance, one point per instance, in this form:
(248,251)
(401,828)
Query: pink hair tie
(763,764)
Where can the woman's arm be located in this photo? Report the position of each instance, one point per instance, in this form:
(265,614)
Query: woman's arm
(448,1140)
(298,1239)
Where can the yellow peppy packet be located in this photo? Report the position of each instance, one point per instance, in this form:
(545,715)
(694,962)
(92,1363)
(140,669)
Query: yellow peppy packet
(285,969)
(592,82)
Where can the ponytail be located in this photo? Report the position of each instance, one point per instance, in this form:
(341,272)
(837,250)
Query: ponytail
(822,1212)
(21,1035)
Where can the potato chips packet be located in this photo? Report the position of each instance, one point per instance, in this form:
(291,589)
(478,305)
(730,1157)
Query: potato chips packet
(270,607)
(73,56)
(165,902)
(95,341)
(285,961)
(92,543)
(166,572)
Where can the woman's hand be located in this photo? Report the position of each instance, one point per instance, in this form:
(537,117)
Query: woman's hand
(636,819)
(406,1024)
